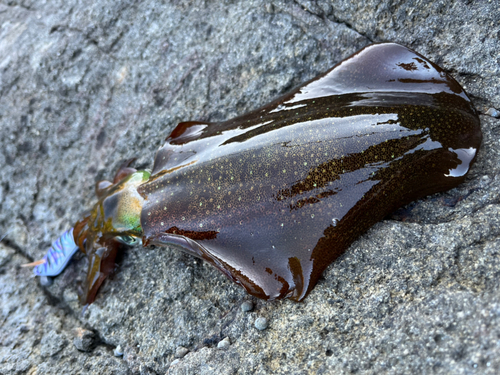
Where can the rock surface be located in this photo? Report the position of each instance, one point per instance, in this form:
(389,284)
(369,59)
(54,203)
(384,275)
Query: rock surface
(86,85)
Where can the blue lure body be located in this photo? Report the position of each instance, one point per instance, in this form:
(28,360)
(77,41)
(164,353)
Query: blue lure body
(58,255)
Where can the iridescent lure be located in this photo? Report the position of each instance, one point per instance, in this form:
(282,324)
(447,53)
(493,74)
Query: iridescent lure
(58,256)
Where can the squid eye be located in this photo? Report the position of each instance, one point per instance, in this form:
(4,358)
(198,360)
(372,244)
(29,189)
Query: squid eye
(128,240)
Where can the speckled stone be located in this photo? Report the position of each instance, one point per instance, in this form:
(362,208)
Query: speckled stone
(87,85)
(34,334)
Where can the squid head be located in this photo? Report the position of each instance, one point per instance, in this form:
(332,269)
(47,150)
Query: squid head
(114,221)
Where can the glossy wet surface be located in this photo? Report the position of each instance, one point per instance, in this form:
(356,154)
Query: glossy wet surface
(273,197)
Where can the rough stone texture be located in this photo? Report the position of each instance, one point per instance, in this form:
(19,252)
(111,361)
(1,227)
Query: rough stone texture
(86,85)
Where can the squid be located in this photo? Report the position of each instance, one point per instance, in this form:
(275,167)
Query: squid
(273,197)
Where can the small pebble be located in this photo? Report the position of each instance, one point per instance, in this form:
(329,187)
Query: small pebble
(270,8)
(118,352)
(181,352)
(174,362)
(247,306)
(46,280)
(224,344)
(261,324)
(84,339)
(493,112)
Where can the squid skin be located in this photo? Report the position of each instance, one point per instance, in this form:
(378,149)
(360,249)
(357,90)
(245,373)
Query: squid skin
(273,197)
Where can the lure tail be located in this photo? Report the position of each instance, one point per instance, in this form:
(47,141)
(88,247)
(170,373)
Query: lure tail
(58,256)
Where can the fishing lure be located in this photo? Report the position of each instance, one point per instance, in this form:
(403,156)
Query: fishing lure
(58,256)
(273,197)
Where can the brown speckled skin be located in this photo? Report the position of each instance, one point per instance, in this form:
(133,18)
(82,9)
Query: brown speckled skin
(273,197)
